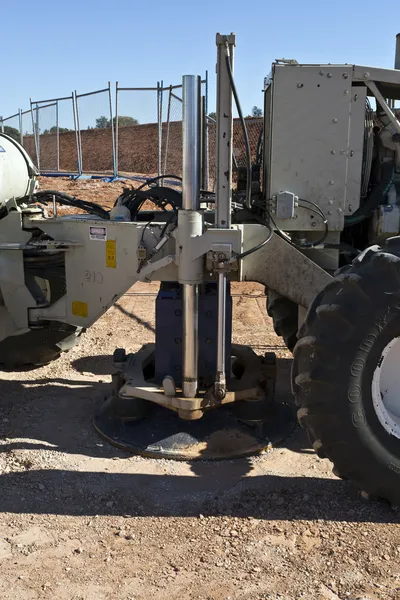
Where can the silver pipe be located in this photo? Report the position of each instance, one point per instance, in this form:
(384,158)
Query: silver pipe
(397,55)
(221,325)
(191,142)
(190,299)
(190,201)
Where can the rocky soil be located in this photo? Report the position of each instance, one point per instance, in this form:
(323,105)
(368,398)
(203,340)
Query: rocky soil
(82,520)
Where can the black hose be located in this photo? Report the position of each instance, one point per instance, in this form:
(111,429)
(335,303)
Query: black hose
(375,198)
(244,128)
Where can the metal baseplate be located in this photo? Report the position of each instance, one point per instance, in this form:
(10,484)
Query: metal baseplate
(247,422)
(253,380)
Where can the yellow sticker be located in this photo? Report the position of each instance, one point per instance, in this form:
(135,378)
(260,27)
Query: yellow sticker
(80,309)
(111,254)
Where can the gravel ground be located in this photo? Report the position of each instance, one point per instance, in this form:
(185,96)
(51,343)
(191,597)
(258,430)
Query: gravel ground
(82,520)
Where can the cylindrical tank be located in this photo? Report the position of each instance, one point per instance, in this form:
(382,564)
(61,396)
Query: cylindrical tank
(17,171)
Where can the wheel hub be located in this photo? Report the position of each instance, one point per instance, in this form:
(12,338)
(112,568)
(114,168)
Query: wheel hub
(386,388)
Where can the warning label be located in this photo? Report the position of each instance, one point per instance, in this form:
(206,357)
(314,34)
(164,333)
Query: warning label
(98,233)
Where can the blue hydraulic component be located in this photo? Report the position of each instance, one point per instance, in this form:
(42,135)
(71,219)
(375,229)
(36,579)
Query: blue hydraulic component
(168,359)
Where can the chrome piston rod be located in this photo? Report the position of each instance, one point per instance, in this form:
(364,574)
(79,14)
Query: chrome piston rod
(190,202)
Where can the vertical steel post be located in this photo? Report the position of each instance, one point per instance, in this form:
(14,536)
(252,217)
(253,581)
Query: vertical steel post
(57,138)
(158,129)
(2,124)
(21,135)
(33,128)
(190,202)
(397,54)
(78,130)
(225,45)
(114,167)
(38,136)
(206,140)
(167,132)
(116,130)
(160,91)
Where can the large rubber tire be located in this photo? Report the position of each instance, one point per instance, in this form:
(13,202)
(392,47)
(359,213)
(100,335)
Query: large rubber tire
(284,314)
(340,346)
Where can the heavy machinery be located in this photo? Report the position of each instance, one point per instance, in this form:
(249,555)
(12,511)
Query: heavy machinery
(318,225)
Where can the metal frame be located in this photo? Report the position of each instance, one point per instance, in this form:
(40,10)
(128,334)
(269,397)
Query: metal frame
(79,145)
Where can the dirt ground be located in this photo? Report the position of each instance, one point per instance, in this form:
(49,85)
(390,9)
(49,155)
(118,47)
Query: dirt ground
(82,520)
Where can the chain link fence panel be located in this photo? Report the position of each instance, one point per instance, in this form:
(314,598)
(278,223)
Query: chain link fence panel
(95,130)
(138,135)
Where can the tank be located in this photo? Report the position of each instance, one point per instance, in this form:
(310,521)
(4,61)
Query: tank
(17,171)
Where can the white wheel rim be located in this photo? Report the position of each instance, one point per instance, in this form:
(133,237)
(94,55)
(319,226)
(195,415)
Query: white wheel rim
(386,388)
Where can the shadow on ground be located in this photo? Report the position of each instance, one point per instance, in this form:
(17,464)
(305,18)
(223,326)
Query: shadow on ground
(56,415)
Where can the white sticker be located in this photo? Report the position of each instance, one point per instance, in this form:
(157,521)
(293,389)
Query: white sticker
(98,233)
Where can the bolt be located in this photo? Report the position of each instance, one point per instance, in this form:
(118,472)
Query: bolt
(339,210)
(329,75)
(331,182)
(300,85)
(345,75)
(329,212)
(343,152)
(350,208)
(219,394)
(221,256)
(330,202)
(333,152)
(321,72)
(334,120)
(366,75)
(346,92)
(313,224)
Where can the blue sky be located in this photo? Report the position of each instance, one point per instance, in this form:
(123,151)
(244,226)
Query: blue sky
(56,47)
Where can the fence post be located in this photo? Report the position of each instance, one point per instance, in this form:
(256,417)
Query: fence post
(159,121)
(116,131)
(2,124)
(21,135)
(167,133)
(35,129)
(112,132)
(76,131)
(79,139)
(57,138)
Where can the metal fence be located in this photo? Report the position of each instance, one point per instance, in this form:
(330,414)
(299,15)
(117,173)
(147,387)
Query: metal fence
(95,132)
(138,133)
